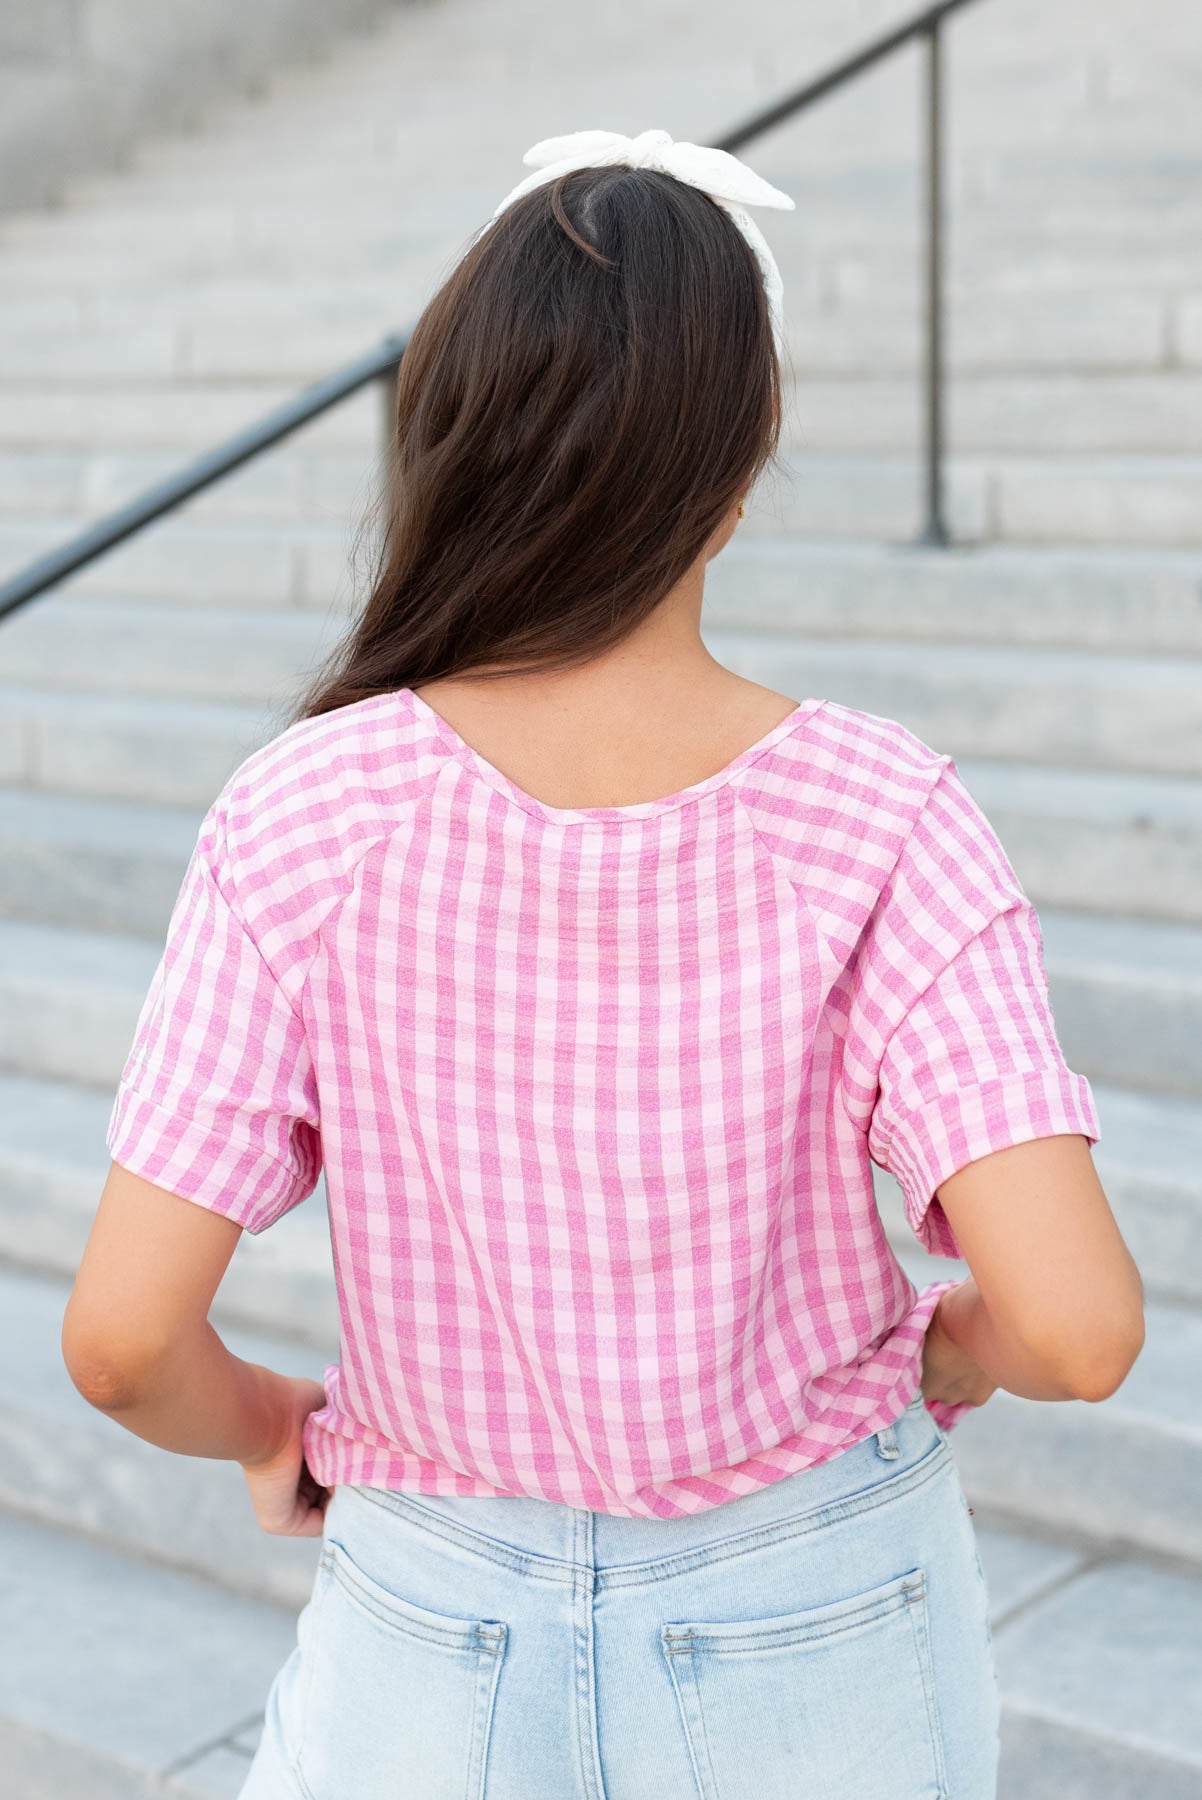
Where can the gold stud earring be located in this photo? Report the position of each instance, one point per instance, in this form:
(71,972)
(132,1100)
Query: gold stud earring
(740,509)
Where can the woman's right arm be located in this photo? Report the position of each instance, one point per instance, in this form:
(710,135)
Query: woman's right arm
(1054,1306)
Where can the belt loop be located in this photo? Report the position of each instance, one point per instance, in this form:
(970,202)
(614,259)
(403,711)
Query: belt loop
(886,1441)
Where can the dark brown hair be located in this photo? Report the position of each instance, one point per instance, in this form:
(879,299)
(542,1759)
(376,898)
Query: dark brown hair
(583,400)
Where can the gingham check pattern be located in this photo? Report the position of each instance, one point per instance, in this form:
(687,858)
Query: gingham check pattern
(597,1091)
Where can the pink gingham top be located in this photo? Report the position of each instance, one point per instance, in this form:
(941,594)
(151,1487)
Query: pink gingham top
(597,1090)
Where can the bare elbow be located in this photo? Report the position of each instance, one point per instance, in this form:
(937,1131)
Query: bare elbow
(106,1380)
(1097,1368)
(104,1387)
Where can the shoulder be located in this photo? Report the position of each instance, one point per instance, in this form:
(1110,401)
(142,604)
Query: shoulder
(875,740)
(858,808)
(292,822)
(842,776)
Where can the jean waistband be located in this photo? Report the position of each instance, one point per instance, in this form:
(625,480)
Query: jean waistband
(502,1525)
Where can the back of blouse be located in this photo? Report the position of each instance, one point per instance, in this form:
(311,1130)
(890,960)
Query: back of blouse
(597,1091)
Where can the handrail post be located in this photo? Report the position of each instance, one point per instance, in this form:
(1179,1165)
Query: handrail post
(935,527)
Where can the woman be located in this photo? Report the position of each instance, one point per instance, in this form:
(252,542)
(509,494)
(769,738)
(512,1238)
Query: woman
(597,976)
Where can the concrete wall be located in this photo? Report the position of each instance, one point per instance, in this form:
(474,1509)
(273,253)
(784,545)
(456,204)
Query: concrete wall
(80,80)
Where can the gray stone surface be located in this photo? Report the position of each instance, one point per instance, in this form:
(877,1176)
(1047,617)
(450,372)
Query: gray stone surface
(248,1740)
(42,1765)
(1052,706)
(1019,1569)
(134,1667)
(53,1165)
(1126,998)
(1094,840)
(1147,1159)
(89,78)
(217,1775)
(1044,1759)
(995,594)
(242,564)
(110,864)
(1124,993)
(1056,654)
(1114,1657)
(170,752)
(1148,501)
(1128,1468)
(1124,1470)
(69,1465)
(202,653)
(70,999)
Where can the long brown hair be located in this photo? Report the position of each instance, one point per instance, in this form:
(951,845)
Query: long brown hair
(583,400)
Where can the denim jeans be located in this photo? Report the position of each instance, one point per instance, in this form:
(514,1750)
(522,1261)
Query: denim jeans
(823,1638)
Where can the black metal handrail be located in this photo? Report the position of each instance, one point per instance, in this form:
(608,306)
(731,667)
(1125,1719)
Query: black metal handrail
(383,363)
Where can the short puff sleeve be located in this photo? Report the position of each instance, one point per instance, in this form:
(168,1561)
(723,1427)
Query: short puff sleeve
(951,1051)
(217,1101)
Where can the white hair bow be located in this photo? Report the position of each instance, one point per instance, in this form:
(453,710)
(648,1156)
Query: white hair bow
(723,177)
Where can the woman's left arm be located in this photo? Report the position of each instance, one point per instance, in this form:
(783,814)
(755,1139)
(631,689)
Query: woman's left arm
(138,1345)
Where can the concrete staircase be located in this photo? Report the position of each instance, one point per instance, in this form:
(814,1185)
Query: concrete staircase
(1056,652)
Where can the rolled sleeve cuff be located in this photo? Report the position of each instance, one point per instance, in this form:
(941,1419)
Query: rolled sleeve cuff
(240,1180)
(928,1145)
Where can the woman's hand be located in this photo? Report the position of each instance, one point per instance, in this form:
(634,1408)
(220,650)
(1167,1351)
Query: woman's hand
(287,1500)
(949,1373)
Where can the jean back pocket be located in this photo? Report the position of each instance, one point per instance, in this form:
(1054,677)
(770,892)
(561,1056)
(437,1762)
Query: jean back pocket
(834,1700)
(395,1699)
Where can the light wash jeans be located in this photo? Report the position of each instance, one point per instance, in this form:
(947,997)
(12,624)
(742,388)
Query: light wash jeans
(824,1638)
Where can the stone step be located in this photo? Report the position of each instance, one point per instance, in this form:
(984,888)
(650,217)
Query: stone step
(1093,1647)
(46,495)
(1058,502)
(1005,499)
(1078,838)
(1147,1160)
(1070,708)
(1128,998)
(54,1162)
(202,653)
(1150,413)
(183,417)
(1125,1471)
(169,752)
(182,751)
(1067,111)
(1139,601)
(857,277)
(879,208)
(844,282)
(1126,995)
(1130,713)
(833,156)
(199,560)
(108,865)
(219,296)
(71,1466)
(243,546)
(1094,841)
(1031,332)
(1099,1676)
(127,1679)
(69,999)
(1074,709)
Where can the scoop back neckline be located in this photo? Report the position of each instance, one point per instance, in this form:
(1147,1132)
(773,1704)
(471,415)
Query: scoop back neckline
(639,809)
